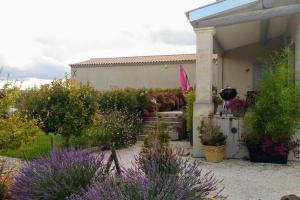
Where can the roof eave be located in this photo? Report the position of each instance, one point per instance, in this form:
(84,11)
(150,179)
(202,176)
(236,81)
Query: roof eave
(130,64)
(216,8)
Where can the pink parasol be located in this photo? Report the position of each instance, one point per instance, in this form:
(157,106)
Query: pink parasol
(183,80)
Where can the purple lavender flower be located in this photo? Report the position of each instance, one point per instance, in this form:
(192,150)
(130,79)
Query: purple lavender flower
(189,183)
(58,175)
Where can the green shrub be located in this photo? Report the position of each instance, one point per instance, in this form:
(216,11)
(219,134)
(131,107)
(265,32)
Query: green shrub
(115,128)
(63,107)
(15,131)
(81,141)
(276,111)
(118,99)
(33,103)
(141,101)
(190,99)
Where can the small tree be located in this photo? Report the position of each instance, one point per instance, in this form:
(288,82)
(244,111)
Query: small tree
(15,131)
(63,107)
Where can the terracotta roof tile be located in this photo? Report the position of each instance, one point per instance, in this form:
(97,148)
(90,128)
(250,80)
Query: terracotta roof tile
(138,60)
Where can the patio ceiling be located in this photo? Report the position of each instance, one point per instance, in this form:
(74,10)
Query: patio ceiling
(237,35)
(242,22)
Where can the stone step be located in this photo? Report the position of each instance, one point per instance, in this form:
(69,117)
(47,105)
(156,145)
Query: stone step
(141,137)
(170,114)
(172,132)
(163,119)
(173,120)
(173,136)
(168,130)
(151,124)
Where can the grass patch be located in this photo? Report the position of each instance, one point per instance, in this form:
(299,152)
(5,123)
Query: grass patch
(39,147)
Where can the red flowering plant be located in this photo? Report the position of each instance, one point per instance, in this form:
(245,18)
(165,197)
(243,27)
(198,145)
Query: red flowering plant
(164,101)
(237,106)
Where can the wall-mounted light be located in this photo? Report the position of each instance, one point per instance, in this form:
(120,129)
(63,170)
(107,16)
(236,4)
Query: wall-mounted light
(288,41)
(215,59)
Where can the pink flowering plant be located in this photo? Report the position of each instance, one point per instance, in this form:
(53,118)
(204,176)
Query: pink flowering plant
(237,106)
(275,148)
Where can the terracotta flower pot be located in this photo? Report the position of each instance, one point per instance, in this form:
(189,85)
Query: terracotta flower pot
(214,154)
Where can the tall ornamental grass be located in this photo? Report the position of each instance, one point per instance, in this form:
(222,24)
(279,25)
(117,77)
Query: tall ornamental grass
(276,113)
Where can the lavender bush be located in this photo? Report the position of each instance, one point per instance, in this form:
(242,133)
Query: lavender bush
(75,175)
(190,183)
(58,175)
(156,149)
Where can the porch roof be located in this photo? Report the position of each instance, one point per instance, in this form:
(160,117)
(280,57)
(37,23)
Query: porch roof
(242,22)
(227,12)
(217,8)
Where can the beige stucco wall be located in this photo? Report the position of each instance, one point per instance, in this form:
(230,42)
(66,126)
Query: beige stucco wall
(294,32)
(142,76)
(238,63)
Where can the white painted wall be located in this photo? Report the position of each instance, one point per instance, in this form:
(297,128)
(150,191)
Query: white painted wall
(142,76)
(294,32)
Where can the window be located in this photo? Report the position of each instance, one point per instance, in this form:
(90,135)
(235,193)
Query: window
(258,72)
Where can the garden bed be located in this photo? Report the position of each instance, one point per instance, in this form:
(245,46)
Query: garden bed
(240,177)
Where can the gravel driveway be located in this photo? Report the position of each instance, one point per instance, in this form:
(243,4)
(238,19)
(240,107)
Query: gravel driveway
(243,180)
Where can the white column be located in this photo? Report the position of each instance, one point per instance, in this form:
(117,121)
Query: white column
(203,105)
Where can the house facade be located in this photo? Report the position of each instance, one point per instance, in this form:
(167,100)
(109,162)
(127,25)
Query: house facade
(233,39)
(135,72)
(242,33)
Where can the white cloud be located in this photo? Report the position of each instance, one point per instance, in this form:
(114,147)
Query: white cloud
(27,83)
(40,38)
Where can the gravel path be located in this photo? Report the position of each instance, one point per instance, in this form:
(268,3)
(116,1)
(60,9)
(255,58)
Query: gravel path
(243,180)
(10,163)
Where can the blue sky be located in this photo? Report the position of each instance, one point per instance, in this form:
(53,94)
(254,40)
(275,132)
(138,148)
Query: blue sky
(40,38)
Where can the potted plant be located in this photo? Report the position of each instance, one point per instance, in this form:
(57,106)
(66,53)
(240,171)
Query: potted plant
(237,106)
(213,141)
(271,123)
